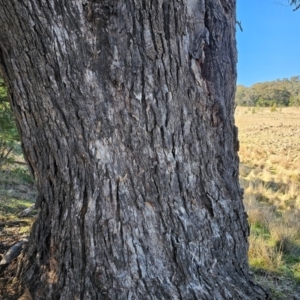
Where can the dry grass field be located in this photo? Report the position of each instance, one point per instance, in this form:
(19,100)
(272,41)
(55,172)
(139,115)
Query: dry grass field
(270,175)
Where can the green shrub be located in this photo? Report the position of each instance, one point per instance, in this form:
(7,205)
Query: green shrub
(9,136)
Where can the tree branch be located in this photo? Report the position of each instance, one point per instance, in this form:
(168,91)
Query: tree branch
(240,25)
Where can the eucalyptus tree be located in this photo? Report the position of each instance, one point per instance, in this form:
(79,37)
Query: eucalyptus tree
(125,110)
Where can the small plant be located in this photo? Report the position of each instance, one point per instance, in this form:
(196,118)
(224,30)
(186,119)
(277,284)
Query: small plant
(273,108)
(264,256)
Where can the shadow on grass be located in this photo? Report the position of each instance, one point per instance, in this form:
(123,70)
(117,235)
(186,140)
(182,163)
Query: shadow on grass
(17,192)
(13,206)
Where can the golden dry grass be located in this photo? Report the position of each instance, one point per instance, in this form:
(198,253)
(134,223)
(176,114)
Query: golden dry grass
(270,175)
(270,154)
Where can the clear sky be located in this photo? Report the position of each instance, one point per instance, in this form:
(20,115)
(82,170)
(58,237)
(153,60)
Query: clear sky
(269,46)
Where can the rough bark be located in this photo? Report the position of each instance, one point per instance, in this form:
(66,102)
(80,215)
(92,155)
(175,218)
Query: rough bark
(125,109)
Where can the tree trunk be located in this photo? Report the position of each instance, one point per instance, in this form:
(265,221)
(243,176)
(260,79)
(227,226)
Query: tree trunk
(125,109)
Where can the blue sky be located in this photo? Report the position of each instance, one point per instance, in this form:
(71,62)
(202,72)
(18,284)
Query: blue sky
(269,46)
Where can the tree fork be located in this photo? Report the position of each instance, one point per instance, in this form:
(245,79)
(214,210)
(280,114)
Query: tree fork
(125,110)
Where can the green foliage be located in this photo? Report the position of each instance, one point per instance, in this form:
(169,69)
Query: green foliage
(8,129)
(295,100)
(285,92)
(9,136)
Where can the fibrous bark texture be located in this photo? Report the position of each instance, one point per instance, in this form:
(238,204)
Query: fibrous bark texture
(125,109)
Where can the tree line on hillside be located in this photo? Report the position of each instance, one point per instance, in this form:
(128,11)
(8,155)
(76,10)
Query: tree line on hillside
(280,92)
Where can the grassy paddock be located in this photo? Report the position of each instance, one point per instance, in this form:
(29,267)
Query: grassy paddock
(270,175)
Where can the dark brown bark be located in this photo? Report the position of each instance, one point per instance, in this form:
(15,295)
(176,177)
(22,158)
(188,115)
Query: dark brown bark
(126,114)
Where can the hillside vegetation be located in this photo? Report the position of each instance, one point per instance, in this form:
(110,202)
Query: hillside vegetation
(280,92)
(9,136)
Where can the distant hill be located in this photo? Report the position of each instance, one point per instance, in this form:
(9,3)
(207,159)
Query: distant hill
(282,92)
